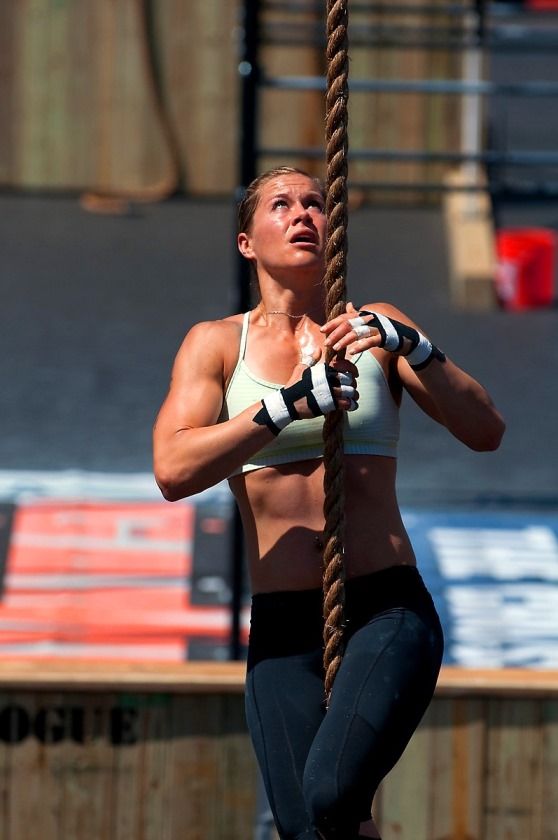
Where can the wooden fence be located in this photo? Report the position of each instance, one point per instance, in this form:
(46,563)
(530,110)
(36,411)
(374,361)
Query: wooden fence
(103,96)
(161,753)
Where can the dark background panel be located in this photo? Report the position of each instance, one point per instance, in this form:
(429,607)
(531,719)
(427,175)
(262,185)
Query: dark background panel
(6,521)
(95,308)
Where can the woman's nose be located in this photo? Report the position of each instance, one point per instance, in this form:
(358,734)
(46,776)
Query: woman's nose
(301,213)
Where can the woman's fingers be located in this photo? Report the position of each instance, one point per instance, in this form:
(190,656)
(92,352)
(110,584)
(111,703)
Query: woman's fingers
(350,329)
(346,402)
(344,365)
(349,339)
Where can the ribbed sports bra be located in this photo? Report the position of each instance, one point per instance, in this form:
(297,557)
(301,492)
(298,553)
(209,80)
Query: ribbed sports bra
(373,429)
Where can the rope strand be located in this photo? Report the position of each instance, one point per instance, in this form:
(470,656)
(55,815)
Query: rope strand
(335,280)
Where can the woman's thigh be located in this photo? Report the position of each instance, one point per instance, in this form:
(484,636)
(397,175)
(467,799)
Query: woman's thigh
(284,709)
(383,687)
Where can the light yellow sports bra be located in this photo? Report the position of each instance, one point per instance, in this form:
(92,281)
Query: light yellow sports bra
(373,429)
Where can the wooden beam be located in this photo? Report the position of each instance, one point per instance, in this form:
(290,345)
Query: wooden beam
(228,677)
(471,246)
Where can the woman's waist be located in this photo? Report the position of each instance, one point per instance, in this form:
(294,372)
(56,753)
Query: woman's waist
(375,535)
(392,586)
(295,561)
(286,622)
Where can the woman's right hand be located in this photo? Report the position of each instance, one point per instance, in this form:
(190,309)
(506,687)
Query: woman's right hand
(310,392)
(343,390)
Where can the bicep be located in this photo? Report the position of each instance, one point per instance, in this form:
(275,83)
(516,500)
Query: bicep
(416,390)
(195,395)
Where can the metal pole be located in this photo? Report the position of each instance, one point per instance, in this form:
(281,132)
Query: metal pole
(249,74)
(471,107)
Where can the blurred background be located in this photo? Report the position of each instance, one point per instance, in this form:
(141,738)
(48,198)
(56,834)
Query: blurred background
(128,129)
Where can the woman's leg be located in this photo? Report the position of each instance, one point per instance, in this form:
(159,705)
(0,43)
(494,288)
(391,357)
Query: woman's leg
(284,709)
(285,698)
(383,687)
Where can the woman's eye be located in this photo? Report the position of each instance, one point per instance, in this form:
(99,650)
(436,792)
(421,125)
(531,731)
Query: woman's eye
(279,202)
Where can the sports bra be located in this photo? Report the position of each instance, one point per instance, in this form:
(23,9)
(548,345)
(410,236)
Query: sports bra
(373,429)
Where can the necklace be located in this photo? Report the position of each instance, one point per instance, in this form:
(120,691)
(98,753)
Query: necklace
(288,314)
(306,349)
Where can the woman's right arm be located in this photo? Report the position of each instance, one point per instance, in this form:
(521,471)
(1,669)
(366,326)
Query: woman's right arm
(191,451)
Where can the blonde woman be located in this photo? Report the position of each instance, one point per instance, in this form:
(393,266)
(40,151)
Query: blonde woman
(246,403)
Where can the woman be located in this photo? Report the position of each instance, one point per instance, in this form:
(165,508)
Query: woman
(246,402)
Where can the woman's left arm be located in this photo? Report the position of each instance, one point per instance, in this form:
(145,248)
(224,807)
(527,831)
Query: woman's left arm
(452,397)
(443,390)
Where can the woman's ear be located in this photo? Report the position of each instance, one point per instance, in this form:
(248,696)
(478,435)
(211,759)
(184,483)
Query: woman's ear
(244,246)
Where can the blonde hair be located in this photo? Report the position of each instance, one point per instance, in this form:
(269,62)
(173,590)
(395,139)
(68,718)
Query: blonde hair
(251,198)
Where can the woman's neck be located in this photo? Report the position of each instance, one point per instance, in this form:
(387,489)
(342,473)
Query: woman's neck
(291,315)
(293,306)
(304,294)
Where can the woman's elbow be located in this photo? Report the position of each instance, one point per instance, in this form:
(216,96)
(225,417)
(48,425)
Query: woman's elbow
(489,437)
(172,485)
(170,492)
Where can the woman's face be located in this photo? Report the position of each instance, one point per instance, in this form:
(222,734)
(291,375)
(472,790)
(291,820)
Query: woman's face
(288,228)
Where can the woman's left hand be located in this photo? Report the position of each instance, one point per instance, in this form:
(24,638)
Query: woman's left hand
(341,334)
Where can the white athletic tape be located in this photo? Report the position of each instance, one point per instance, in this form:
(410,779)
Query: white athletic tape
(277,409)
(321,389)
(392,336)
(421,352)
(363,332)
(360,328)
(344,378)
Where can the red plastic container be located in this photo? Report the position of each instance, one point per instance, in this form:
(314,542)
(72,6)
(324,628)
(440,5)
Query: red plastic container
(526,267)
(542,5)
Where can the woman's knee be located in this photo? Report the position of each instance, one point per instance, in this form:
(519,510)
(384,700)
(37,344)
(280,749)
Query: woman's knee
(333,812)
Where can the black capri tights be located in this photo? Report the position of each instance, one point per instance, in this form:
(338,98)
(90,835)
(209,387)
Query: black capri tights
(321,770)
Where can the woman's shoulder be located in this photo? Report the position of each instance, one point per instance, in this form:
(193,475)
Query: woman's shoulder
(221,329)
(211,343)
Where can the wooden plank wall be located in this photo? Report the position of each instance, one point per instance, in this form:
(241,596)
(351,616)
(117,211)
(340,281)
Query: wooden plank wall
(404,121)
(79,110)
(77,99)
(161,753)
(478,768)
(121,766)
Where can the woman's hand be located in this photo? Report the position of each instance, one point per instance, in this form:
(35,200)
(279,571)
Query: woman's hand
(342,335)
(360,331)
(310,392)
(341,365)
(349,368)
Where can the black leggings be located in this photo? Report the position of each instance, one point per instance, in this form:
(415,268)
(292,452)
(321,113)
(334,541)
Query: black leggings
(320,769)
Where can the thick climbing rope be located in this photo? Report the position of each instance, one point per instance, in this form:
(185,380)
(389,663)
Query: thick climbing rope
(335,277)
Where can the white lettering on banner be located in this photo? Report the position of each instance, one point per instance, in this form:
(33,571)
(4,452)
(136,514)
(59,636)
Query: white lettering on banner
(505,621)
(499,553)
(503,625)
(523,656)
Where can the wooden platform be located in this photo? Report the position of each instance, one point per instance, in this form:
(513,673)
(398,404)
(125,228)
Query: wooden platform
(228,677)
(123,752)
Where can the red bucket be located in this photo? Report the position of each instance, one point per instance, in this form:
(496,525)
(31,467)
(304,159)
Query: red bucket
(542,5)
(526,266)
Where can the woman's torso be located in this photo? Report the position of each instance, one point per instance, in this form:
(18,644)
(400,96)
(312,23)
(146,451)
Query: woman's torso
(282,506)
